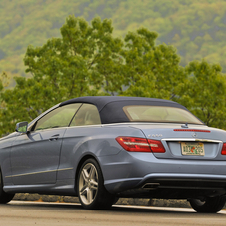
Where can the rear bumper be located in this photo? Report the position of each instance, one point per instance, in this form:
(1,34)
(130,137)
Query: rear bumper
(143,175)
(171,186)
(185,180)
(177,181)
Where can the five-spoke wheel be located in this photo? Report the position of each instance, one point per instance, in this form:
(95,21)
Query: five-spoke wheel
(90,184)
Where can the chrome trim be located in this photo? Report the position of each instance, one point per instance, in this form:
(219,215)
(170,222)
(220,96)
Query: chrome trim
(147,123)
(94,125)
(48,171)
(193,139)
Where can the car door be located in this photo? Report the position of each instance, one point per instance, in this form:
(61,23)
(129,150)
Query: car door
(83,128)
(35,156)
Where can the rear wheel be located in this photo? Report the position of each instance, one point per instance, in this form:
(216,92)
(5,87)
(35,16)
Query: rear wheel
(90,186)
(210,205)
(4,197)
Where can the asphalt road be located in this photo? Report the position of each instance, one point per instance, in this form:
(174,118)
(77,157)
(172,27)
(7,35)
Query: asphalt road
(62,214)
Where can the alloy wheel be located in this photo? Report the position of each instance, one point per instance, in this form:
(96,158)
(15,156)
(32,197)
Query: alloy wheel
(88,183)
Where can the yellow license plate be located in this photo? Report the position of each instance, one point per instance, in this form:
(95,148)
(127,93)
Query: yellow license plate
(192,148)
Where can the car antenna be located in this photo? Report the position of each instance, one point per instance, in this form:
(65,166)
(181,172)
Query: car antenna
(184,126)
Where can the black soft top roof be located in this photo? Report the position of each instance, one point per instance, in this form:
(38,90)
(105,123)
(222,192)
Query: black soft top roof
(111,107)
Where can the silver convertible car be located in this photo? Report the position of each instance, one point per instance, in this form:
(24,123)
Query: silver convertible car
(104,148)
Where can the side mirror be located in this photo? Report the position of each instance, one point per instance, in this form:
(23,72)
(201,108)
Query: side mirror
(21,127)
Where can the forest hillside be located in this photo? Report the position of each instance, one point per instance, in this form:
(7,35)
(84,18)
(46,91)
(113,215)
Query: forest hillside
(196,28)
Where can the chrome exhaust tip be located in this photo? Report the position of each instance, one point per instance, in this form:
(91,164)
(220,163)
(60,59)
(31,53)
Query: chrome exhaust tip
(150,186)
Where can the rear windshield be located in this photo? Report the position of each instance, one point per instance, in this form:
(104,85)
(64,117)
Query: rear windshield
(159,114)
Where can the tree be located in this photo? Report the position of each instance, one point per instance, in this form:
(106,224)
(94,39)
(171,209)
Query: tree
(89,60)
(84,61)
(204,93)
(152,71)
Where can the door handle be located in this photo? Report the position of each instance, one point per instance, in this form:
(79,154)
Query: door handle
(54,137)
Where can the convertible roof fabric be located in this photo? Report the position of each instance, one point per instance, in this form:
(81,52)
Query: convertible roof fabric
(111,107)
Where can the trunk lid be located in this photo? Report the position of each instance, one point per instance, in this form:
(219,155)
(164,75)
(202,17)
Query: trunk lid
(193,142)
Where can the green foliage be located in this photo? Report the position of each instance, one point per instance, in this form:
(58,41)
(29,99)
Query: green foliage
(88,60)
(84,61)
(204,93)
(195,28)
(154,70)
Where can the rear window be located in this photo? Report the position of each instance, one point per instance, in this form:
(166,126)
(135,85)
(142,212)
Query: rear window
(159,114)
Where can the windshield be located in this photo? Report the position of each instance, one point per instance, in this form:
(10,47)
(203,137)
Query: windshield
(140,113)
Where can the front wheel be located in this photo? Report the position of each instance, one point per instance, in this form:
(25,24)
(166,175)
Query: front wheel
(4,197)
(209,205)
(90,186)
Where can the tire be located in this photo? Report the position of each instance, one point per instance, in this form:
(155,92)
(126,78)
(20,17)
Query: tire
(90,186)
(4,197)
(210,205)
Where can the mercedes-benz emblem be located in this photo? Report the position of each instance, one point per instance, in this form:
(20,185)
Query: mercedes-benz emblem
(194,134)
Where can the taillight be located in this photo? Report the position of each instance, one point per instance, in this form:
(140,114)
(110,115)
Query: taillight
(156,146)
(135,144)
(223,151)
(192,130)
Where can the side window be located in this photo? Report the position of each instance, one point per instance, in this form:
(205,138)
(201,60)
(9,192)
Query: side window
(86,115)
(60,117)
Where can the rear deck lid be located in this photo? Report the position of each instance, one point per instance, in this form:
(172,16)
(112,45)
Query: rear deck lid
(196,142)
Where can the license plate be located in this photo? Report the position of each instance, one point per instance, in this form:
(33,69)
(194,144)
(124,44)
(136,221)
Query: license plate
(192,148)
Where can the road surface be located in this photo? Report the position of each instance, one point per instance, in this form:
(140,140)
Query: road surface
(18,213)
